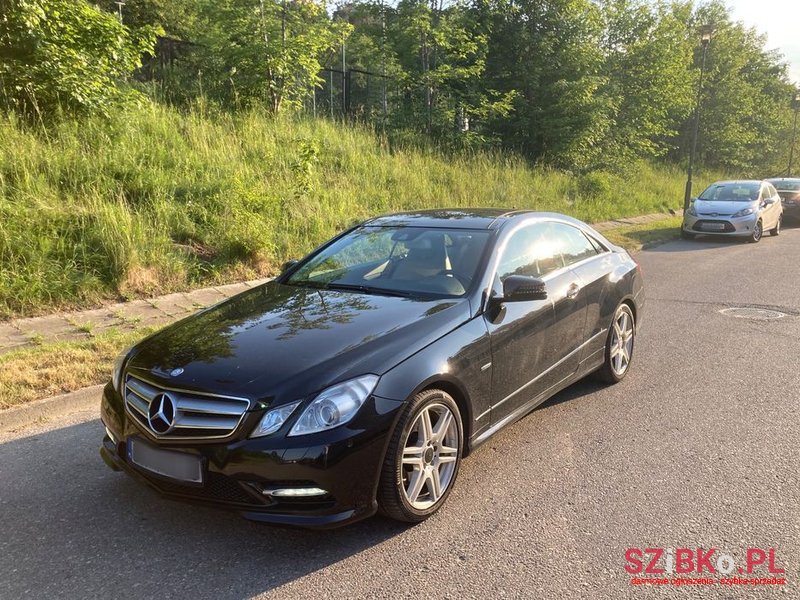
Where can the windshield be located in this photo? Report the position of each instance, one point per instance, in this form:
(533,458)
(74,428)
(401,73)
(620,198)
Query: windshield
(404,261)
(786,185)
(732,192)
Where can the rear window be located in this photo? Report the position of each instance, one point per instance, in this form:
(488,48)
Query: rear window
(792,185)
(732,192)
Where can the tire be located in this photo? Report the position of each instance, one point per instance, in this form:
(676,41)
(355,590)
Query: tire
(685,235)
(615,365)
(408,492)
(777,229)
(758,233)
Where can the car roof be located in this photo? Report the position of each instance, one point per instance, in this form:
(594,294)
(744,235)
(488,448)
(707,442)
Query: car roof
(463,218)
(777,180)
(740,182)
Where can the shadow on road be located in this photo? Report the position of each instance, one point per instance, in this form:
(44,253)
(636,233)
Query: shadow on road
(70,527)
(709,242)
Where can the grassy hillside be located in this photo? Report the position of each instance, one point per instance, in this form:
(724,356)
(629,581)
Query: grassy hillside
(156,200)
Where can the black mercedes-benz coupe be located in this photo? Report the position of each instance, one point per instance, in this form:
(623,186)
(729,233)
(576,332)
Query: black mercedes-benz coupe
(359,378)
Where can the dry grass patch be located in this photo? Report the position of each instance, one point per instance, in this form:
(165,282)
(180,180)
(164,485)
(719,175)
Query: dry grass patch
(635,237)
(58,368)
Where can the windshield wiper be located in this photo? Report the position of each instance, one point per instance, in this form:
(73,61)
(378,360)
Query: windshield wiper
(367,289)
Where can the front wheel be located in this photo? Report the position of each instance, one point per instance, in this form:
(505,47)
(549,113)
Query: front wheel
(758,231)
(685,235)
(619,346)
(423,458)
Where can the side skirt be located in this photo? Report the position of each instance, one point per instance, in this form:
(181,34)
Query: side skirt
(586,368)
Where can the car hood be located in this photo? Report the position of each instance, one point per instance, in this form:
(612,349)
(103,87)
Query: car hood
(721,207)
(277,343)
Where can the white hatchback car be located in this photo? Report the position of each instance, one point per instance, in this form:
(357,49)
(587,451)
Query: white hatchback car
(734,208)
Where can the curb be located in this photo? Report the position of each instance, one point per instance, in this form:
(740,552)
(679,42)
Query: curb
(48,408)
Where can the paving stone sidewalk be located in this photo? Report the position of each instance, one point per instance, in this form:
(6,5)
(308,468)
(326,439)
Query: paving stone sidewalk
(640,220)
(71,326)
(81,325)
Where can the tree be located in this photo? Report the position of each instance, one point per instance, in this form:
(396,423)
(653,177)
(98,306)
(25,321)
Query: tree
(649,63)
(549,53)
(745,116)
(266,51)
(65,55)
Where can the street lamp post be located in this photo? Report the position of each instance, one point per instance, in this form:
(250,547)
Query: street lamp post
(706,33)
(796,106)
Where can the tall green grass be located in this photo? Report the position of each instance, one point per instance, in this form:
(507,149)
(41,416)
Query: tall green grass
(157,200)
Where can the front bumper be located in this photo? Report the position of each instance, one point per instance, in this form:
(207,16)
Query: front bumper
(727,226)
(345,462)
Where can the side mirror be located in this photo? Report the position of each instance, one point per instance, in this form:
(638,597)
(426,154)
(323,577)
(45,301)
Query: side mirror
(768,201)
(521,288)
(288,265)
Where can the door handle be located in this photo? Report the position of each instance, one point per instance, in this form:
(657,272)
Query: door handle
(572,291)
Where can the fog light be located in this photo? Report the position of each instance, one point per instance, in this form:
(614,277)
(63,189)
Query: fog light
(294,492)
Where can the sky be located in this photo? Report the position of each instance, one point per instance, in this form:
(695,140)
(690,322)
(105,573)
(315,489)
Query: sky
(780,20)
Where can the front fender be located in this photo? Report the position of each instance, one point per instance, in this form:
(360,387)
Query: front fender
(457,363)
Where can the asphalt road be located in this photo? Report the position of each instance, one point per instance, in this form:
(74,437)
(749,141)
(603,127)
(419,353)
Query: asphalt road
(699,446)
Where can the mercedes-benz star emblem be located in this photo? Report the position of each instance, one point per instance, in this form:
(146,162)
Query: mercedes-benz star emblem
(161,414)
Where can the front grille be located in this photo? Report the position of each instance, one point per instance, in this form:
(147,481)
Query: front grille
(196,416)
(699,226)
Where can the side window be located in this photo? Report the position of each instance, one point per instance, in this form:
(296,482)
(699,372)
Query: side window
(530,251)
(772,191)
(573,245)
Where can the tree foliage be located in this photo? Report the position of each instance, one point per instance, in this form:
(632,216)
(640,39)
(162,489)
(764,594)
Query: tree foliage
(580,84)
(65,55)
(265,51)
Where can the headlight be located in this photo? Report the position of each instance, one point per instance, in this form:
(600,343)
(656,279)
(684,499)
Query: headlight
(335,406)
(744,212)
(119,364)
(692,211)
(274,419)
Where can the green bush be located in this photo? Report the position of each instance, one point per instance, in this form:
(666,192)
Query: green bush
(65,56)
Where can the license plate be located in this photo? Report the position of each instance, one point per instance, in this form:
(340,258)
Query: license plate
(714,226)
(175,465)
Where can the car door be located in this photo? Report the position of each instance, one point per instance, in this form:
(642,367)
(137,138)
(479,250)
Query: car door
(775,209)
(528,338)
(592,263)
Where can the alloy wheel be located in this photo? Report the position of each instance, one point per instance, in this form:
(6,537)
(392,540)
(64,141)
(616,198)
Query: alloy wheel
(757,232)
(429,457)
(622,343)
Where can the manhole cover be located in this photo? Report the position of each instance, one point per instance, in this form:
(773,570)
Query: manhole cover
(757,314)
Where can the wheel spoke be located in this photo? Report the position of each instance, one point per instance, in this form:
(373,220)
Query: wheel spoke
(442,426)
(434,485)
(447,455)
(412,456)
(415,484)
(426,429)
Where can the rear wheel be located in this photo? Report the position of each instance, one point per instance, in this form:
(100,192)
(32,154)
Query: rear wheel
(423,458)
(777,229)
(758,232)
(619,346)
